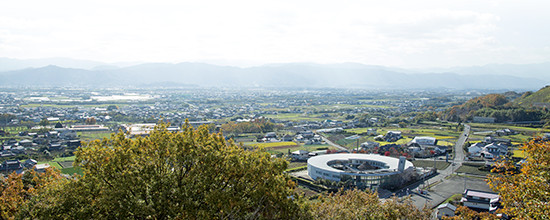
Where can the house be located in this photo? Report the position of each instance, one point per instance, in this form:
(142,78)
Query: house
(41,168)
(372,132)
(25,143)
(446,209)
(369,145)
(480,200)
(67,134)
(425,141)
(10,166)
(288,137)
(475,149)
(55,146)
(270,135)
(392,136)
(494,150)
(74,143)
(490,139)
(300,155)
(307,134)
(17,149)
(29,163)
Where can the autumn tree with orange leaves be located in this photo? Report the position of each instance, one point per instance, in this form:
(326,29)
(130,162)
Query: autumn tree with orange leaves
(17,190)
(525,193)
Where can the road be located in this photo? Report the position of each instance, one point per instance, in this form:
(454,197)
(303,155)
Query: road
(442,189)
(444,186)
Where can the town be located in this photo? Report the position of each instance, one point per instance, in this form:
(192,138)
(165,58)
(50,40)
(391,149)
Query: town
(363,135)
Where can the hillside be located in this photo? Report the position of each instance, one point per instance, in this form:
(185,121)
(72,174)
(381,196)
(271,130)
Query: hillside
(539,98)
(500,107)
(468,109)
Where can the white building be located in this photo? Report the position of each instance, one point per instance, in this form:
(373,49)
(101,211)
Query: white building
(366,170)
(480,200)
(425,140)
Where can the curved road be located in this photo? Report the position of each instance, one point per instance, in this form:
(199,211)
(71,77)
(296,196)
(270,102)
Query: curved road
(459,148)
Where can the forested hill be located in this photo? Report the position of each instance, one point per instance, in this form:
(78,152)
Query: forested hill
(505,107)
(539,98)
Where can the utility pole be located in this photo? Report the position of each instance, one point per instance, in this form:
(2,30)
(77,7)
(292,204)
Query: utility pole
(435,163)
(464,183)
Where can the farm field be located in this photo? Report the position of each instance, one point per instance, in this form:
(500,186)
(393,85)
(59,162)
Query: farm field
(518,153)
(470,169)
(439,165)
(285,147)
(95,135)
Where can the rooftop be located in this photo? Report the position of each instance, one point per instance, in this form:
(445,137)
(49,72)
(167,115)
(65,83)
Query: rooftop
(322,161)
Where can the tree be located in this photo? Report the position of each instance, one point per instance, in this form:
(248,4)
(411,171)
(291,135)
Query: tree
(356,204)
(16,190)
(5,118)
(44,122)
(189,175)
(525,194)
(463,212)
(90,121)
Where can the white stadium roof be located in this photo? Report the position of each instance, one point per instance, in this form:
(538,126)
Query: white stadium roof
(322,160)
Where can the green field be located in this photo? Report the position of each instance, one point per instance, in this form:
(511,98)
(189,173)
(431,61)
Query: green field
(63,159)
(471,169)
(439,165)
(95,135)
(503,126)
(294,117)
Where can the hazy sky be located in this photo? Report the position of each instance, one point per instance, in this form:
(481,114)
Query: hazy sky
(405,33)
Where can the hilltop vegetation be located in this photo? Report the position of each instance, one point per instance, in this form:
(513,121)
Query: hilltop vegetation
(502,108)
(529,98)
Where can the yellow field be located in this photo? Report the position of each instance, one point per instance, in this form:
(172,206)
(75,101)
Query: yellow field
(519,153)
(276,144)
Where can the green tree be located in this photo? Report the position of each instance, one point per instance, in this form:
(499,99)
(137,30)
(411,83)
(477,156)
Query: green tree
(356,204)
(5,118)
(189,175)
(525,194)
(44,122)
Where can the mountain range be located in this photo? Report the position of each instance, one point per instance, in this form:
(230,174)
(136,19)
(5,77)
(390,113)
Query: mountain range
(343,75)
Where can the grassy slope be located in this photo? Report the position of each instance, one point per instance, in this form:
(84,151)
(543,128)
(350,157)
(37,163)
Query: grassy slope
(543,95)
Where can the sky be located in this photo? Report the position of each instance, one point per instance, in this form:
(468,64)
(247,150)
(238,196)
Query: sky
(408,34)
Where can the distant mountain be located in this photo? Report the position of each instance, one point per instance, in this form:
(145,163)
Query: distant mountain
(538,70)
(8,64)
(55,76)
(343,75)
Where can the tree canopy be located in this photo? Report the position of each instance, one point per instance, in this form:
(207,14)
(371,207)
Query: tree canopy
(356,204)
(190,174)
(525,194)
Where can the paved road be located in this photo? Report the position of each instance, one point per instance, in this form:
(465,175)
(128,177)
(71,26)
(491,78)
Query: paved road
(444,186)
(448,187)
